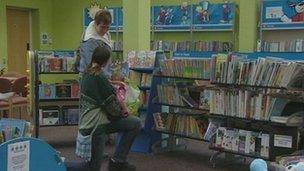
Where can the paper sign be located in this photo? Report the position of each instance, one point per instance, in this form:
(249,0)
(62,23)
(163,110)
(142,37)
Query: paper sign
(274,12)
(18,156)
(283,141)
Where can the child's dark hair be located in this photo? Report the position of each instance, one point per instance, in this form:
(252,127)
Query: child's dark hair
(100,57)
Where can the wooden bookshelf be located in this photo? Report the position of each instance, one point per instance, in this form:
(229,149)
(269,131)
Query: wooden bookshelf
(176,77)
(180,135)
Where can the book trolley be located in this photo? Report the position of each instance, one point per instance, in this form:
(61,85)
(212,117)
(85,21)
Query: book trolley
(276,132)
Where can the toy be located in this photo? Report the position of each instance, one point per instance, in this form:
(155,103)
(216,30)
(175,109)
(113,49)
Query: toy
(298,6)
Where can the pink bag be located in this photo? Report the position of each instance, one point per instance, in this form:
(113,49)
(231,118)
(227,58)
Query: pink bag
(121,96)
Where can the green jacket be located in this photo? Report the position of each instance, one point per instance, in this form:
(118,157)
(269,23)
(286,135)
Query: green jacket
(94,91)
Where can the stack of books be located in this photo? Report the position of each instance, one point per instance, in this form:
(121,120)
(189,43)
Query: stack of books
(141,59)
(190,68)
(181,124)
(270,72)
(213,46)
(242,141)
(14,128)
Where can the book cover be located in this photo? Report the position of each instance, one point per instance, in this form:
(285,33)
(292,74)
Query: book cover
(12,128)
(63,91)
(73,116)
(55,64)
(47,91)
(50,117)
(220,136)
(205,100)
(75,91)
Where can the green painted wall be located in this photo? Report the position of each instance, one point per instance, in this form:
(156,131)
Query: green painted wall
(67,21)
(41,15)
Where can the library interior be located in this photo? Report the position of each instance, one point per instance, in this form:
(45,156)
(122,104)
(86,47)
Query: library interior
(183,85)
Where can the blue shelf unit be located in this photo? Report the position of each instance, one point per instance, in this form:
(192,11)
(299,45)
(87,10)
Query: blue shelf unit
(41,155)
(147,136)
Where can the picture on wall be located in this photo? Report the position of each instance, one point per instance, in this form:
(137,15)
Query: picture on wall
(172,17)
(208,15)
(283,14)
(89,14)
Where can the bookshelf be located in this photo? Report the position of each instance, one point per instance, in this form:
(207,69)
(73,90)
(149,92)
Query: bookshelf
(272,89)
(53,98)
(139,76)
(191,23)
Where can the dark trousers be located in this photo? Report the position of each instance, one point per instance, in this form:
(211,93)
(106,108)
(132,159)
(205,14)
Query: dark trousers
(129,127)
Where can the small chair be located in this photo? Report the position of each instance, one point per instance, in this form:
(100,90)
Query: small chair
(5,85)
(19,86)
(4,108)
(12,74)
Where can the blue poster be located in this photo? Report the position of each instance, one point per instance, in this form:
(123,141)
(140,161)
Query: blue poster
(213,16)
(283,14)
(87,19)
(172,17)
(119,18)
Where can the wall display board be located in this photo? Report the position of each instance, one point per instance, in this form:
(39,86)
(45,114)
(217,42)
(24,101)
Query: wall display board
(282,14)
(211,16)
(117,17)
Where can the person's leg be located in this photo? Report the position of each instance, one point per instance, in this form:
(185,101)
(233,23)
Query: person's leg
(98,145)
(129,127)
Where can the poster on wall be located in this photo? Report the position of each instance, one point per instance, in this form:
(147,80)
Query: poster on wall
(208,15)
(89,13)
(119,14)
(172,17)
(283,14)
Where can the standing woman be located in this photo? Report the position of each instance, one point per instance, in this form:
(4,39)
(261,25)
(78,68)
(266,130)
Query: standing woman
(96,121)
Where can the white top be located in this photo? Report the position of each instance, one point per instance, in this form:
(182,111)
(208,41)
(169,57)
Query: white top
(92,33)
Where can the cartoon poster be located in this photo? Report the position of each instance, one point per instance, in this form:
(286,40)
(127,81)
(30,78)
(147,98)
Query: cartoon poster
(172,17)
(208,15)
(89,13)
(283,14)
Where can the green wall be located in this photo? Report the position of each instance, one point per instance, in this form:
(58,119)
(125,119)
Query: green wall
(68,28)
(41,16)
(62,19)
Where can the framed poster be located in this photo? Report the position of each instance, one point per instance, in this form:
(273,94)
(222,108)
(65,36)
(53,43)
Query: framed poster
(213,16)
(282,14)
(172,17)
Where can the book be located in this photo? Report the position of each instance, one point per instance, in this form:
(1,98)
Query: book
(49,117)
(55,64)
(204,100)
(47,91)
(12,128)
(63,91)
(75,90)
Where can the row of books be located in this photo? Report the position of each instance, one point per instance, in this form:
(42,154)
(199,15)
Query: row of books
(242,141)
(214,46)
(117,45)
(146,79)
(14,128)
(174,95)
(60,90)
(56,64)
(245,104)
(282,46)
(181,124)
(192,68)
(272,72)
(144,98)
(58,116)
(141,59)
